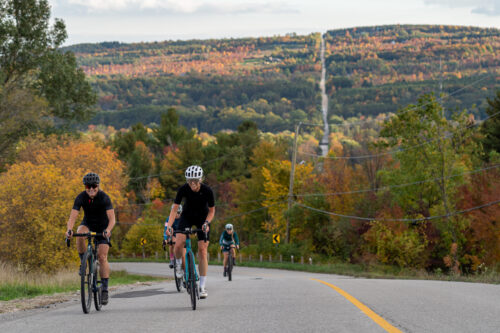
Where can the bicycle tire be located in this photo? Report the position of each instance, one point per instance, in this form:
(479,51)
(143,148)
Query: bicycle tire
(192,280)
(229,266)
(178,281)
(86,283)
(98,289)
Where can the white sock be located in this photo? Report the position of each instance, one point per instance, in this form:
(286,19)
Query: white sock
(178,261)
(203,279)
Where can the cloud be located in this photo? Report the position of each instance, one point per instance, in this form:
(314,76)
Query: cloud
(484,7)
(165,7)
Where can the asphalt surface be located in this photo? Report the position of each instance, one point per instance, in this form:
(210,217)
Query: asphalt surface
(265,300)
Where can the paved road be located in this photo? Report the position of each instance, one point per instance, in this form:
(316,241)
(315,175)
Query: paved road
(261,300)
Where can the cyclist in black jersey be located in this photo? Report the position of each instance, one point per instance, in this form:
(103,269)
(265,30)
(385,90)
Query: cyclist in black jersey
(199,210)
(99,216)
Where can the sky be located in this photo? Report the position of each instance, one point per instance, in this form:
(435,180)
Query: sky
(91,21)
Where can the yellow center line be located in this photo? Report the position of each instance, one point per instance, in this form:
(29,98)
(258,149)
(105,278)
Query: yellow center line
(367,311)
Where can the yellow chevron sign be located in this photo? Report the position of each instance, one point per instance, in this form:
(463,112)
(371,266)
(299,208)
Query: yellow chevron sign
(276,238)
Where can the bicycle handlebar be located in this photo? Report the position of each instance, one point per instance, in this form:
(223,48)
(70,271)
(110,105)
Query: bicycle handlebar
(87,234)
(191,231)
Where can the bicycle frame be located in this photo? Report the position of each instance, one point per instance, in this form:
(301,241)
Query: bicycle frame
(94,262)
(188,250)
(189,280)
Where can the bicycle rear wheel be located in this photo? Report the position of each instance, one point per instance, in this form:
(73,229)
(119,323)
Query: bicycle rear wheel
(178,281)
(191,280)
(230,266)
(86,282)
(98,288)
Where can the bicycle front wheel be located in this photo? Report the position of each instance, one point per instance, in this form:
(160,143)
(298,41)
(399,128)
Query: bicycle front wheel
(86,282)
(191,280)
(97,288)
(230,266)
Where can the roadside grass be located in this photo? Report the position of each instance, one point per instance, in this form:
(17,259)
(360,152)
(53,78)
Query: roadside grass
(376,271)
(15,284)
(355,270)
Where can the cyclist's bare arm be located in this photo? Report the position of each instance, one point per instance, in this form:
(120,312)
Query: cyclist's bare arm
(210,216)
(111,219)
(71,221)
(171,218)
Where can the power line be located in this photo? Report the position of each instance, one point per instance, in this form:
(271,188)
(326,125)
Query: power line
(345,123)
(252,211)
(333,193)
(220,219)
(201,163)
(447,136)
(425,104)
(398,185)
(399,220)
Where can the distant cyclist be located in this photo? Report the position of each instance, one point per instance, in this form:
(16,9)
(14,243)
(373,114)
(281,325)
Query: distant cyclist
(98,216)
(228,241)
(175,226)
(198,210)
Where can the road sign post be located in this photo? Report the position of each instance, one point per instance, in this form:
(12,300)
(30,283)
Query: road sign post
(143,242)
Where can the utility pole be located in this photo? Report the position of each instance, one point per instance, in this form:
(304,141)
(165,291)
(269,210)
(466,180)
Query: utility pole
(290,188)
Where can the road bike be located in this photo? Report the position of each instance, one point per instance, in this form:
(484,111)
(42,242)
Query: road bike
(191,277)
(88,273)
(229,268)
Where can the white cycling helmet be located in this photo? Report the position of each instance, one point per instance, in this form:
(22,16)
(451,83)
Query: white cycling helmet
(194,172)
(229,226)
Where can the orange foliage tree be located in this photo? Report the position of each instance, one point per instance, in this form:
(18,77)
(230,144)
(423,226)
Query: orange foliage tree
(39,190)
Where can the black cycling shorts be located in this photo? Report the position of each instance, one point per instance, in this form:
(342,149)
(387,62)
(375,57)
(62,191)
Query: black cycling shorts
(189,222)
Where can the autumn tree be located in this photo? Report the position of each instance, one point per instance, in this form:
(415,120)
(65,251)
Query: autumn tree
(276,182)
(39,190)
(32,222)
(432,147)
(146,228)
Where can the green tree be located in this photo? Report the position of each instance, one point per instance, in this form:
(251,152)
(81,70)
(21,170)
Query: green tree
(29,48)
(21,112)
(140,165)
(169,131)
(491,128)
(31,64)
(432,147)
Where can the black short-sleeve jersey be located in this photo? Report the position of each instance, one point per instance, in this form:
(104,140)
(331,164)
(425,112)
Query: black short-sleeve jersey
(94,210)
(196,203)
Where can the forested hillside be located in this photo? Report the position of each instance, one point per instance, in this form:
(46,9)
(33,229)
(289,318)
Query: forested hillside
(415,189)
(216,84)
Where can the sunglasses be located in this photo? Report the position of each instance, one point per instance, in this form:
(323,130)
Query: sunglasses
(91,186)
(193,181)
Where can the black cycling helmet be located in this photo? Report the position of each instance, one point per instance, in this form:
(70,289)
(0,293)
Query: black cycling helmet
(91,178)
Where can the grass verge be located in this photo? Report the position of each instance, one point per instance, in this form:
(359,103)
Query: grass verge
(355,270)
(15,284)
